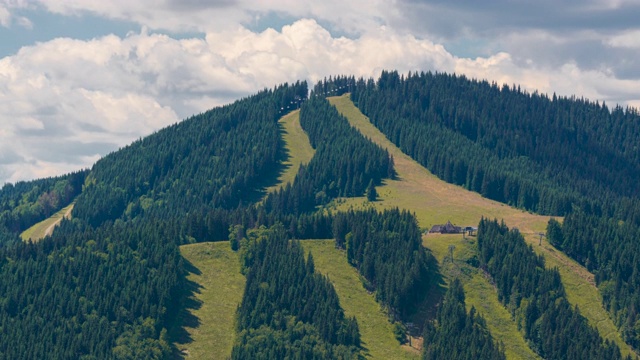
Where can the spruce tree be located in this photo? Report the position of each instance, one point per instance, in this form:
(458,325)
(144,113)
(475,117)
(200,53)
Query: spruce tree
(372,194)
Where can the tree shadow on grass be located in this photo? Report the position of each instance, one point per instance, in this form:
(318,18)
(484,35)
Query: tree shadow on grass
(182,316)
(364,350)
(427,309)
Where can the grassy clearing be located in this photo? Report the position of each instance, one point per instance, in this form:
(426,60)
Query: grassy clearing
(217,292)
(581,291)
(479,292)
(434,202)
(45,227)
(375,328)
(299,150)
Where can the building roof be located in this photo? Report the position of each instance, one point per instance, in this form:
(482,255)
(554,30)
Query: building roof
(446,228)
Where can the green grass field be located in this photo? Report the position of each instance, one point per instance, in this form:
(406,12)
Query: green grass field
(581,291)
(45,227)
(299,150)
(479,292)
(375,329)
(435,201)
(218,288)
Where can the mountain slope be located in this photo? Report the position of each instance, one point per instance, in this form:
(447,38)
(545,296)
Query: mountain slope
(107,283)
(433,200)
(553,155)
(112,282)
(375,328)
(436,202)
(546,154)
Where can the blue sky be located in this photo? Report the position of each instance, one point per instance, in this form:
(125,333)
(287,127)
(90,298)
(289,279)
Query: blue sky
(44,26)
(81,78)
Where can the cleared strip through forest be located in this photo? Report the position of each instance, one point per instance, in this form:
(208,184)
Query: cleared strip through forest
(435,202)
(216,279)
(298,149)
(216,292)
(375,329)
(46,226)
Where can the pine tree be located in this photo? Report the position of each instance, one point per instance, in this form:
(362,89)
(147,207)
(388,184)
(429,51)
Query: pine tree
(372,194)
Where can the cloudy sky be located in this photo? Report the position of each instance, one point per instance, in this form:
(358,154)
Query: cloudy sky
(81,78)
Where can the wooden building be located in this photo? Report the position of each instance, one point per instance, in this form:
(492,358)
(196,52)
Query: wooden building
(447,228)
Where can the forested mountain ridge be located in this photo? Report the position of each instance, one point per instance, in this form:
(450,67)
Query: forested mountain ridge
(216,159)
(435,201)
(203,179)
(185,183)
(553,155)
(539,153)
(108,283)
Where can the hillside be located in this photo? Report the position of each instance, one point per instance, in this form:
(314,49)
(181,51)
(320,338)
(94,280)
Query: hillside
(133,272)
(435,201)
(552,155)
(114,275)
(456,203)
(376,330)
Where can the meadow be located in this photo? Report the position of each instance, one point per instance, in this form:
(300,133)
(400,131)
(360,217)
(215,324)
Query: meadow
(297,146)
(217,286)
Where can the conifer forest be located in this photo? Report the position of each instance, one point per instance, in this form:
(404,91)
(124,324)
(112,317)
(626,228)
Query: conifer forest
(109,282)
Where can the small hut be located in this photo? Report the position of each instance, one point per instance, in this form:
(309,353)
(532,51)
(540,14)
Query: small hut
(447,228)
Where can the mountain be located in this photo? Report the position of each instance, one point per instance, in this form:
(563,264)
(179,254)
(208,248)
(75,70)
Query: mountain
(112,283)
(559,156)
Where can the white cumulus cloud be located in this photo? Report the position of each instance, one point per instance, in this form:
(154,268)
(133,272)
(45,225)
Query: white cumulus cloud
(5,16)
(67,102)
(627,39)
(216,15)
